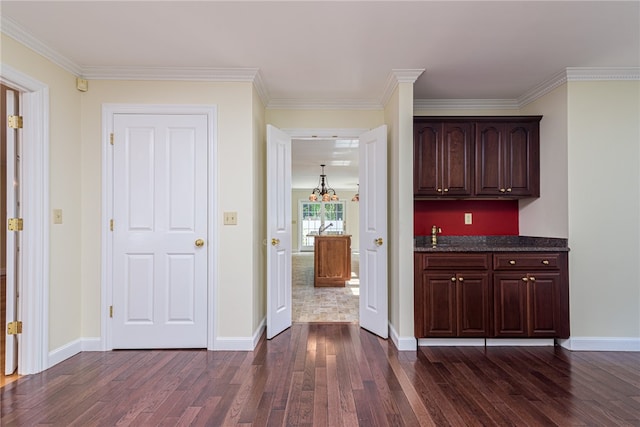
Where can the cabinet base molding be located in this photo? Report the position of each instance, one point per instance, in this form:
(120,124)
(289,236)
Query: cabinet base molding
(485,342)
(451,342)
(522,342)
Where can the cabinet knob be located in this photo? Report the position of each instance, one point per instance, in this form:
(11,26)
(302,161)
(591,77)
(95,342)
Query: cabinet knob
(512,262)
(545,261)
(446,190)
(502,190)
(508,190)
(533,279)
(439,190)
(525,279)
(461,279)
(453,279)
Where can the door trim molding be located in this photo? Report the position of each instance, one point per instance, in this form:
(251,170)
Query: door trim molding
(108,112)
(33,354)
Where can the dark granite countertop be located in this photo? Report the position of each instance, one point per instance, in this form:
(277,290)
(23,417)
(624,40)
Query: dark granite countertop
(491,244)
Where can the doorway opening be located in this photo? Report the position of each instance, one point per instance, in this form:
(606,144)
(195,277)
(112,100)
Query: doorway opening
(9,105)
(340,217)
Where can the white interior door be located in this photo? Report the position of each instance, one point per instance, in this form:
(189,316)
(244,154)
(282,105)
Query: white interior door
(160,208)
(13,237)
(373,231)
(278,231)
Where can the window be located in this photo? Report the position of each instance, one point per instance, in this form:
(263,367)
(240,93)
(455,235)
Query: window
(314,215)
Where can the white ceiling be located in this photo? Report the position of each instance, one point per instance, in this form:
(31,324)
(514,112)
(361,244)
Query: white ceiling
(308,53)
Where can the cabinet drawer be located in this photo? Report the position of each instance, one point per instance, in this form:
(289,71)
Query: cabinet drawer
(478,261)
(526,261)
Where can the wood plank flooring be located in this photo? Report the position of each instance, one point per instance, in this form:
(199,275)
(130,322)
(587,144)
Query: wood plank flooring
(331,374)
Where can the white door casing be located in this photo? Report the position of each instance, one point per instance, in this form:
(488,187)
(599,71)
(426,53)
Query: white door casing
(278,231)
(160,231)
(373,231)
(13,237)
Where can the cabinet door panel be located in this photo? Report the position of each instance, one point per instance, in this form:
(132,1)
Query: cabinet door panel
(520,150)
(510,311)
(473,304)
(457,159)
(489,159)
(544,304)
(440,303)
(427,172)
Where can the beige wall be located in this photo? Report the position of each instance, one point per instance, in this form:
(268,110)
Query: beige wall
(604,208)
(65,286)
(548,215)
(259,221)
(399,119)
(238,275)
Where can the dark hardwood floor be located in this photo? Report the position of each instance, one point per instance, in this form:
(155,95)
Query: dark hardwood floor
(331,375)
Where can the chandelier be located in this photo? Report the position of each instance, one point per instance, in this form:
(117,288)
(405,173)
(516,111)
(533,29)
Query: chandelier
(323,191)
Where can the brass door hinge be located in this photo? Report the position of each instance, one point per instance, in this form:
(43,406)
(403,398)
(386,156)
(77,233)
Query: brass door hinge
(111,224)
(14,328)
(110,311)
(14,122)
(15,224)
(111,138)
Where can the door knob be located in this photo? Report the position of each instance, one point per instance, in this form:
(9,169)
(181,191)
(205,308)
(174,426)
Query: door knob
(275,242)
(378,241)
(199,243)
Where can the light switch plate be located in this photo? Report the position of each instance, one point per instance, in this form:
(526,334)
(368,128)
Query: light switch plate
(230,218)
(468,218)
(57,216)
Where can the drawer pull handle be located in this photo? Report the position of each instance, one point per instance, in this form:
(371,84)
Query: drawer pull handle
(545,261)
(512,262)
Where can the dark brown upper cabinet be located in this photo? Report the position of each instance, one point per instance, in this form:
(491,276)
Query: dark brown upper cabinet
(507,161)
(476,157)
(443,156)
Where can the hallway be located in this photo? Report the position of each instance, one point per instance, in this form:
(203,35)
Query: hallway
(311,304)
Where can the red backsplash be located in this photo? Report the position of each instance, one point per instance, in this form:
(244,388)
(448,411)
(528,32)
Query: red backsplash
(489,217)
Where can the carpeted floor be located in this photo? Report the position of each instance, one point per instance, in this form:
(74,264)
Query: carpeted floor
(311,304)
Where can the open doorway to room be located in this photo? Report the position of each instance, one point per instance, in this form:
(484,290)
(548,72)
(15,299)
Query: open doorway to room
(338,217)
(9,105)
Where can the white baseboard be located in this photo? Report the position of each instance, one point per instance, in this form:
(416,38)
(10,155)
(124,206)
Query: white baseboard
(601,344)
(61,354)
(92,344)
(451,342)
(240,343)
(402,343)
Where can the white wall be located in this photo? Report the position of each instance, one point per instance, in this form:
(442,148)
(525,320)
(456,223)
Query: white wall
(604,208)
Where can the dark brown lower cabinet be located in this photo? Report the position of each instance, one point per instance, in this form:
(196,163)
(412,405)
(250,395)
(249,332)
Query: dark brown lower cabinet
(451,299)
(515,295)
(531,295)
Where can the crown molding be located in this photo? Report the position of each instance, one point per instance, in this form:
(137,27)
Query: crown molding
(321,104)
(397,76)
(570,74)
(171,73)
(15,31)
(455,104)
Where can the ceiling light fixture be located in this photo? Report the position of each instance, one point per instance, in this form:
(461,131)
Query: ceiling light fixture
(323,191)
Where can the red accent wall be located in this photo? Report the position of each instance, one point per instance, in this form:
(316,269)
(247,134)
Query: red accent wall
(489,217)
